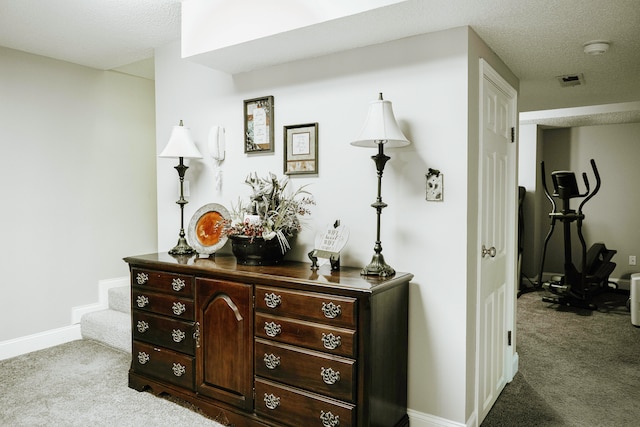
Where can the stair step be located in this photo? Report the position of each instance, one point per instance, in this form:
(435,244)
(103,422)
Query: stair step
(111,327)
(120,299)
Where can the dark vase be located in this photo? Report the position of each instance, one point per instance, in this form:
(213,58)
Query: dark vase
(256,251)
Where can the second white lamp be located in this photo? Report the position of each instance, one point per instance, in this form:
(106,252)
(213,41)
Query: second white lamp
(380,129)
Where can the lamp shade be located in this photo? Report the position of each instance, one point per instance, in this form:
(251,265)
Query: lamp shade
(181,144)
(380,127)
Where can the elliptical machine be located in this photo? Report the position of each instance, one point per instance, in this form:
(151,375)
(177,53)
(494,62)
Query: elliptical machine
(575,287)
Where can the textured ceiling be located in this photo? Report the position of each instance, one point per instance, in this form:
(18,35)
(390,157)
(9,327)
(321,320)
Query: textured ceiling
(537,39)
(101,34)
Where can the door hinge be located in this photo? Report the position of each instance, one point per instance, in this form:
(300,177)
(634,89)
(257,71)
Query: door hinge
(509,338)
(513,134)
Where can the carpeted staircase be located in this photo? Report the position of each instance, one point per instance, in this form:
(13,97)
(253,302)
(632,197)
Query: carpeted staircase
(113,325)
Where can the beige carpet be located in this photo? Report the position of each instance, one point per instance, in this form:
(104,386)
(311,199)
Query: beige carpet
(82,383)
(578,368)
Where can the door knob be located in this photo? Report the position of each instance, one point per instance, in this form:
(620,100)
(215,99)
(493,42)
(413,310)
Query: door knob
(491,251)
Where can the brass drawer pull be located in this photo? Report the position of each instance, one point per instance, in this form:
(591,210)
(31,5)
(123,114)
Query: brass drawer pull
(143,357)
(271,361)
(329,376)
(178,335)
(178,284)
(142,301)
(142,278)
(272,329)
(272,300)
(330,341)
(178,369)
(142,326)
(178,308)
(271,401)
(329,420)
(330,310)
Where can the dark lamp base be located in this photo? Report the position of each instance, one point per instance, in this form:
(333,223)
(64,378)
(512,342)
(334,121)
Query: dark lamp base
(377,267)
(182,248)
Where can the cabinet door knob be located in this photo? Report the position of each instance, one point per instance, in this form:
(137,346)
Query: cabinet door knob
(271,401)
(272,300)
(329,420)
(196,334)
(272,329)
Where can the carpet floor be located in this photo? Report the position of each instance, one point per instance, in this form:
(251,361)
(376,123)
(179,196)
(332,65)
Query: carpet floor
(577,367)
(82,383)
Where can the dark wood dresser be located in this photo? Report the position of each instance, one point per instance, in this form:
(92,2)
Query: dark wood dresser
(271,346)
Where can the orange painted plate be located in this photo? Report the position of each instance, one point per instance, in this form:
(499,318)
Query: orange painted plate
(205,232)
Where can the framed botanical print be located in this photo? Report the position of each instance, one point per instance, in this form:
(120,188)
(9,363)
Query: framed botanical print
(301,149)
(258,125)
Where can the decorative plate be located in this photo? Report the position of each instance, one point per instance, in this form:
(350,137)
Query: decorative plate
(205,228)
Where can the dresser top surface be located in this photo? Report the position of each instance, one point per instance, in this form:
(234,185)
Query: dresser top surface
(225,266)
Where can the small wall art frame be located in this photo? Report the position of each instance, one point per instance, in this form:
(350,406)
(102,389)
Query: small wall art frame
(258,125)
(301,149)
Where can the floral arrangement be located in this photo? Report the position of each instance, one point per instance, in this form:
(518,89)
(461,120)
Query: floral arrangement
(272,211)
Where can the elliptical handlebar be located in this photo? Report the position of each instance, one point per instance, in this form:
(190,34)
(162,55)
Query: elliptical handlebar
(586,182)
(546,190)
(595,190)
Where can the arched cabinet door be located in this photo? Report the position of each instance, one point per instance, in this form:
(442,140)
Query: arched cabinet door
(224,345)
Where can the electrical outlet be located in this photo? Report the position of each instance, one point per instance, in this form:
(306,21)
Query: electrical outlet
(632,260)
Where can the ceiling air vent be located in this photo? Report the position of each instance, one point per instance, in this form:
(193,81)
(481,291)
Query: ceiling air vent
(571,80)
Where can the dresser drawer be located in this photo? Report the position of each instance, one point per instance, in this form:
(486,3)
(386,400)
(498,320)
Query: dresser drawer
(329,309)
(163,364)
(311,370)
(163,282)
(164,331)
(296,408)
(325,338)
(168,305)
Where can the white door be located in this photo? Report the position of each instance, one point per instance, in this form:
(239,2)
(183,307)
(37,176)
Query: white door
(497,237)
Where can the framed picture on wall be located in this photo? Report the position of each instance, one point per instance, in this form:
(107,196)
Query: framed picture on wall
(258,125)
(301,149)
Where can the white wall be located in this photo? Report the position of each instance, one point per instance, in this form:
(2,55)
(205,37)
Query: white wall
(427,79)
(78,185)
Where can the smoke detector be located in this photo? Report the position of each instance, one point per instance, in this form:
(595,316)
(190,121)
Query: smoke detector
(596,47)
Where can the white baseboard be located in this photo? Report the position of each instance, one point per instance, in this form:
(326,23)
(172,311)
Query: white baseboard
(53,337)
(623,284)
(39,341)
(103,298)
(420,419)
(515,363)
